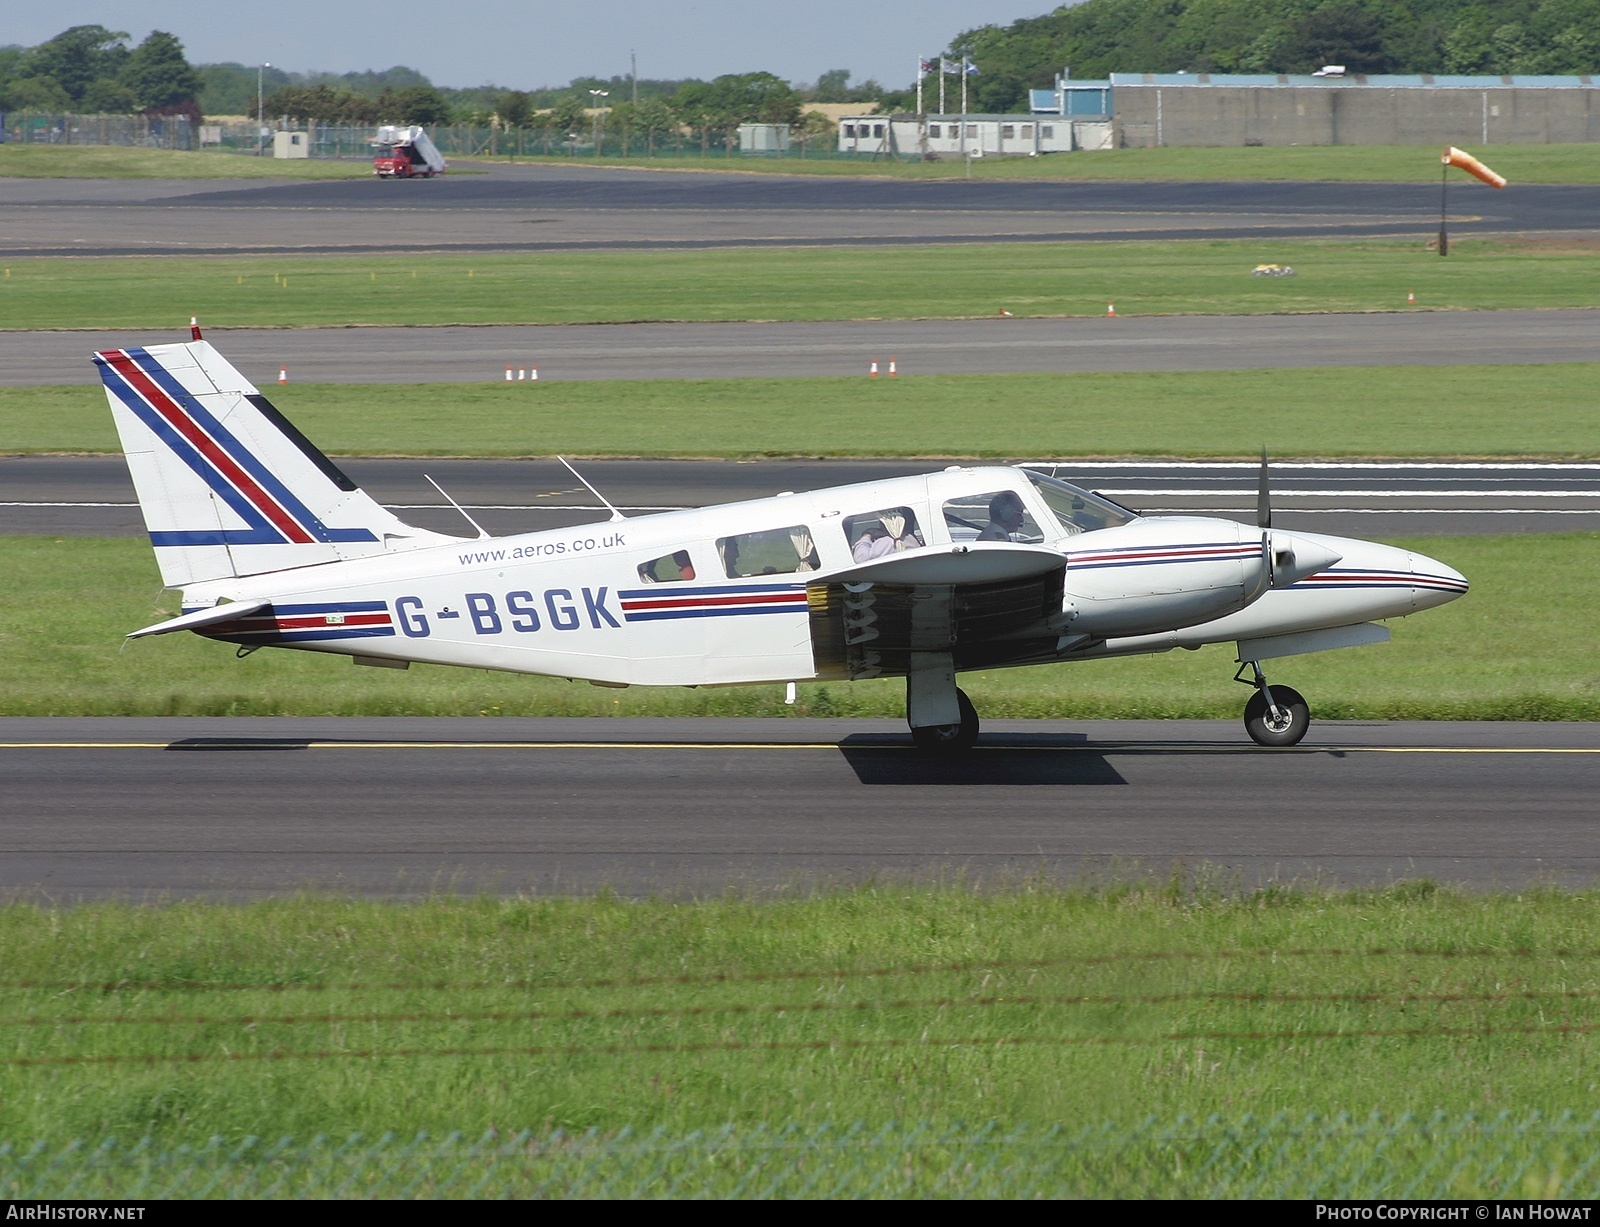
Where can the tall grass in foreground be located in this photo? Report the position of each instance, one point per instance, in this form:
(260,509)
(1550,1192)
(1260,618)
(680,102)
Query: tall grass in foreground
(1029,1003)
(1519,646)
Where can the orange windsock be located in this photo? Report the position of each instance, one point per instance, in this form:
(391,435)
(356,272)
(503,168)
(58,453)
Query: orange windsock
(1462,160)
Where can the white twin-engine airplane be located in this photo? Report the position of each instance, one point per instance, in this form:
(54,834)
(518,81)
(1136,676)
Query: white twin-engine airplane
(914,577)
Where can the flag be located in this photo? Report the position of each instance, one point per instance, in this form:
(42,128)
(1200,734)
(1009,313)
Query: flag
(926,66)
(949,68)
(972,70)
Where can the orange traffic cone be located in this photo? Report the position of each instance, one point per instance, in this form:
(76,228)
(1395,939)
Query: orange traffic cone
(1111,309)
(194,328)
(873,373)
(892,371)
(1006,314)
(533,374)
(522,372)
(1411,299)
(508,374)
(283,374)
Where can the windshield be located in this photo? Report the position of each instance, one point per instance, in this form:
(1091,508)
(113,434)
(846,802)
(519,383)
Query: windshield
(1078,510)
(385,151)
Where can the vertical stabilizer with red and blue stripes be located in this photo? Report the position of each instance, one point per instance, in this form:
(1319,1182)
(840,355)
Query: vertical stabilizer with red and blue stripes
(227,485)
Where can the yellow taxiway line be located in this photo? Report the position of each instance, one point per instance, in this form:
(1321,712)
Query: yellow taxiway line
(271,743)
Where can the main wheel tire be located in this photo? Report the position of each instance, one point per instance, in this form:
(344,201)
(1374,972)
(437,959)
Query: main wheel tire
(1288,729)
(950,738)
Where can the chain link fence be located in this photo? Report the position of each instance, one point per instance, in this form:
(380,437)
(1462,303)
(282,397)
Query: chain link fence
(134,131)
(1281,1157)
(355,141)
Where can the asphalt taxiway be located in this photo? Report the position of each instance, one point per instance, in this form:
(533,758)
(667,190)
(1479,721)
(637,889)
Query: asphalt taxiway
(780,350)
(583,207)
(249,807)
(93,496)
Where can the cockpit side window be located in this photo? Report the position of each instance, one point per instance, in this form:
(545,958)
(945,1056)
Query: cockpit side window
(1078,510)
(778,551)
(880,533)
(999,515)
(674,568)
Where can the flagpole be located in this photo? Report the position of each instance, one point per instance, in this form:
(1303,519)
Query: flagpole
(919,87)
(941,85)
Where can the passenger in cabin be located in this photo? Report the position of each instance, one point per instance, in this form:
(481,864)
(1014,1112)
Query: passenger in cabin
(668,569)
(874,542)
(1006,516)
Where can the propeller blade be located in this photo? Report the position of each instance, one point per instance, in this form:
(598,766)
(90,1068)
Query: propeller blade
(1263,496)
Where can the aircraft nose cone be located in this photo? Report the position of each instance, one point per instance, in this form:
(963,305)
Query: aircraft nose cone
(1294,558)
(1433,583)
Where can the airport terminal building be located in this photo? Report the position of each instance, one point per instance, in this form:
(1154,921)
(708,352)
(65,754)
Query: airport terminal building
(1332,107)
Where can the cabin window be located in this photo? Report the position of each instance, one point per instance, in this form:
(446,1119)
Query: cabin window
(673,568)
(1007,131)
(1027,132)
(849,130)
(778,551)
(879,534)
(1047,132)
(1078,510)
(933,132)
(877,129)
(999,515)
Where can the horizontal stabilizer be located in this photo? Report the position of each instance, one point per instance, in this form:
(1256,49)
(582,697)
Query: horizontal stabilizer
(225,612)
(978,562)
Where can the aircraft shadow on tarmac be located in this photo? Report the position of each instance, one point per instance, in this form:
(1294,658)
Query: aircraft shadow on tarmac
(1020,760)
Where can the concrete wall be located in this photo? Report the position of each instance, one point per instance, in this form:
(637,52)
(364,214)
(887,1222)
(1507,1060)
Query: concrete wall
(1150,115)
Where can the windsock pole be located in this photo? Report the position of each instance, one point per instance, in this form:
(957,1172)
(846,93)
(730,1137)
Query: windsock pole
(1444,191)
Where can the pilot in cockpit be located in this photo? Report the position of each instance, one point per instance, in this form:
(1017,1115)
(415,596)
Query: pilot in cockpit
(1006,517)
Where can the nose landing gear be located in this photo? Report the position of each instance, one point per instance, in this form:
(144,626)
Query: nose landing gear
(1275,715)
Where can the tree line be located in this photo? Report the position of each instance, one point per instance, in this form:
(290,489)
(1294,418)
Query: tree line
(1100,37)
(92,70)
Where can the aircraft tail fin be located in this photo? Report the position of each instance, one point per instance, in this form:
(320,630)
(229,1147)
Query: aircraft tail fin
(226,483)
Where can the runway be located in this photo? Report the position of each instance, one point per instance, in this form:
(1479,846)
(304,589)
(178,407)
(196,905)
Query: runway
(582,207)
(244,808)
(93,496)
(778,350)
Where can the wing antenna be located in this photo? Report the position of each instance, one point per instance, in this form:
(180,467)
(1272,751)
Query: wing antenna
(615,514)
(482,536)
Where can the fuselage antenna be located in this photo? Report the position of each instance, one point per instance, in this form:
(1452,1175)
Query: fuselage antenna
(482,536)
(615,514)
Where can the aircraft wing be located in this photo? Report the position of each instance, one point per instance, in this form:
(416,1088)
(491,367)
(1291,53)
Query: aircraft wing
(984,603)
(226,612)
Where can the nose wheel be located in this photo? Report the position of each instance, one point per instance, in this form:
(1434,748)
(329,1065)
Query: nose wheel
(1275,715)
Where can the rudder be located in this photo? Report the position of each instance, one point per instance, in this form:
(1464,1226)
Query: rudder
(226,483)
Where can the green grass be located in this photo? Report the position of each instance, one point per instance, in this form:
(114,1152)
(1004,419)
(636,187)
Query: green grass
(1545,411)
(1520,645)
(1305,163)
(226,984)
(19,161)
(981,279)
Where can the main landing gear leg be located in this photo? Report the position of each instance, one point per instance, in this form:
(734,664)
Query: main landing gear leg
(1275,715)
(942,718)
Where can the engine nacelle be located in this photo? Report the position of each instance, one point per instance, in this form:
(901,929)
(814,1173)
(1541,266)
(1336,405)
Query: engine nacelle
(1167,572)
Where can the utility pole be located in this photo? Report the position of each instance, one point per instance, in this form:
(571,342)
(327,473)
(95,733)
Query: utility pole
(261,108)
(633,71)
(599,108)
